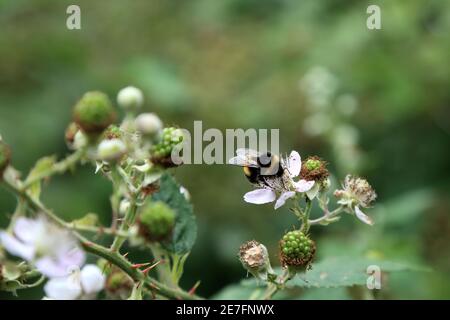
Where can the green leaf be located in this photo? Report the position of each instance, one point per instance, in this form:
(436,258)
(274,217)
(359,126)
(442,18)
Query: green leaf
(343,272)
(237,292)
(42,165)
(185,230)
(346,271)
(406,207)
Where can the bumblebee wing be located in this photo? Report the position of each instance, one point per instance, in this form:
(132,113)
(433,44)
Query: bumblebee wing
(243,162)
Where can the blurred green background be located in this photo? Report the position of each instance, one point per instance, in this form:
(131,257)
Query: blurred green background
(373,102)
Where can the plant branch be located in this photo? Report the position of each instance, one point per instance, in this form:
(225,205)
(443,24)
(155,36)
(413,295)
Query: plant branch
(98,250)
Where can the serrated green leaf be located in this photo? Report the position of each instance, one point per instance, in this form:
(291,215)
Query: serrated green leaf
(343,272)
(346,271)
(185,230)
(42,165)
(236,292)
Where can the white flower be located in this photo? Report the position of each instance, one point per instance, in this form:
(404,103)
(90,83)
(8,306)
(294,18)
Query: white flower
(149,124)
(110,150)
(130,98)
(357,193)
(51,249)
(84,284)
(287,187)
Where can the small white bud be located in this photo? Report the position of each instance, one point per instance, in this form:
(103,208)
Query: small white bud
(130,98)
(110,150)
(80,140)
(149,124)
(124,206)
(185,193)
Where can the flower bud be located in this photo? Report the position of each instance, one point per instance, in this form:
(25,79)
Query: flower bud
(255,259)
(149,124)
(156,221)
(80,140)
(124,206)
(296,250)
(5,157)
(94,112)
(111,150)
(130,98)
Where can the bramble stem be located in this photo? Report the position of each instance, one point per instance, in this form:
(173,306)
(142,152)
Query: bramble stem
(96,230)
(129,219)
(305,218)
(98,250)
(327,216)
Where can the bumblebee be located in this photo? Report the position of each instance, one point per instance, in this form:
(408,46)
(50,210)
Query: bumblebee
(263,169)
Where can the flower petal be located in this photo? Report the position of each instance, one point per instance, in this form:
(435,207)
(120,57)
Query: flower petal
(15,247)
(61,265)
(283,197)
(312,193)
(303,185)
(27,229)
(64,288)
(260,196)
(92,279)
(294,164)
(363,217)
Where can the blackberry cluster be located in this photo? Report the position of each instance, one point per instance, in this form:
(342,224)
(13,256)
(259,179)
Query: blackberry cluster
(156,221)
(296,249)
(161,152)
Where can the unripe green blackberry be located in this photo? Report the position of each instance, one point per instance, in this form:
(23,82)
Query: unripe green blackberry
(94,112)
(5,157)
(296,249)
(314,169)
(118,285)
(161,152)
(156,221)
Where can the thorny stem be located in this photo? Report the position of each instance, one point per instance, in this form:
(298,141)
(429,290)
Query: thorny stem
(96,230)
(129,219)
(98,250)
(57,168)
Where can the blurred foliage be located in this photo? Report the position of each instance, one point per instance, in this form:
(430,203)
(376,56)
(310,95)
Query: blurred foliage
(237,64)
